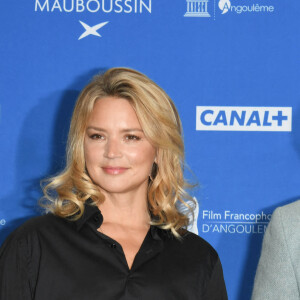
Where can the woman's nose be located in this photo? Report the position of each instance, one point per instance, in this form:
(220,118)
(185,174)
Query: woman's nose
(112,149)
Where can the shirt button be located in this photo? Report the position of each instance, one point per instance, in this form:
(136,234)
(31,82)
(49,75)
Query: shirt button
(96,218)
(113,246)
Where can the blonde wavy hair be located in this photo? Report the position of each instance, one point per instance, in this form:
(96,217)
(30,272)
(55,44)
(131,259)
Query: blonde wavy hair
(66,193)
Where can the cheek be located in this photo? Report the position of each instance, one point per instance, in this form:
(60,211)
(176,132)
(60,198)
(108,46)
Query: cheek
(91,155)
(88,162)
(142,156)
(87,154)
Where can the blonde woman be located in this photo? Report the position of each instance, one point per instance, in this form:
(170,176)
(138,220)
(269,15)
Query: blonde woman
(113,229)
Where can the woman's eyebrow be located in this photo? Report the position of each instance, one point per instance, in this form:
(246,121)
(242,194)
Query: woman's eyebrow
(132,129)
(95,128)
(123,130)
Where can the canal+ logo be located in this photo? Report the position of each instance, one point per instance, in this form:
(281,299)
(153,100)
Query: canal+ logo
(235,118)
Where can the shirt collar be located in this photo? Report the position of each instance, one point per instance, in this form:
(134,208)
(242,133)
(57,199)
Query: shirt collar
(154,230)
(92,212)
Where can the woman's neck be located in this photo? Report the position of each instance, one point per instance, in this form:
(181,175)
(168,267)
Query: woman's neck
(130,210)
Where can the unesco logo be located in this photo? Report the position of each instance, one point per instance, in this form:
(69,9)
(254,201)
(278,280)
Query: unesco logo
(199,8)
(234,118)
(196,8)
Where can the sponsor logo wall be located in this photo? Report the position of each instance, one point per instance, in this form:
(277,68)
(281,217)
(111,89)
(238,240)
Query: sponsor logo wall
(231,67)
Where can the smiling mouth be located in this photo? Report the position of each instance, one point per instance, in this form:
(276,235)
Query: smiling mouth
(114,170)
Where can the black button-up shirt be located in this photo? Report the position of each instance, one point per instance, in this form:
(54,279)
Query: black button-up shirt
(52,258)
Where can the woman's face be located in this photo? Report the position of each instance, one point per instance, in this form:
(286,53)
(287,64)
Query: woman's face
(118,156)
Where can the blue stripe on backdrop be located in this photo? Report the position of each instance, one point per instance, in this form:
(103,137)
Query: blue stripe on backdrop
(242,54)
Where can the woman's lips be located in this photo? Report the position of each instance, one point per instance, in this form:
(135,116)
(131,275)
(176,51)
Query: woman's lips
(114,170)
